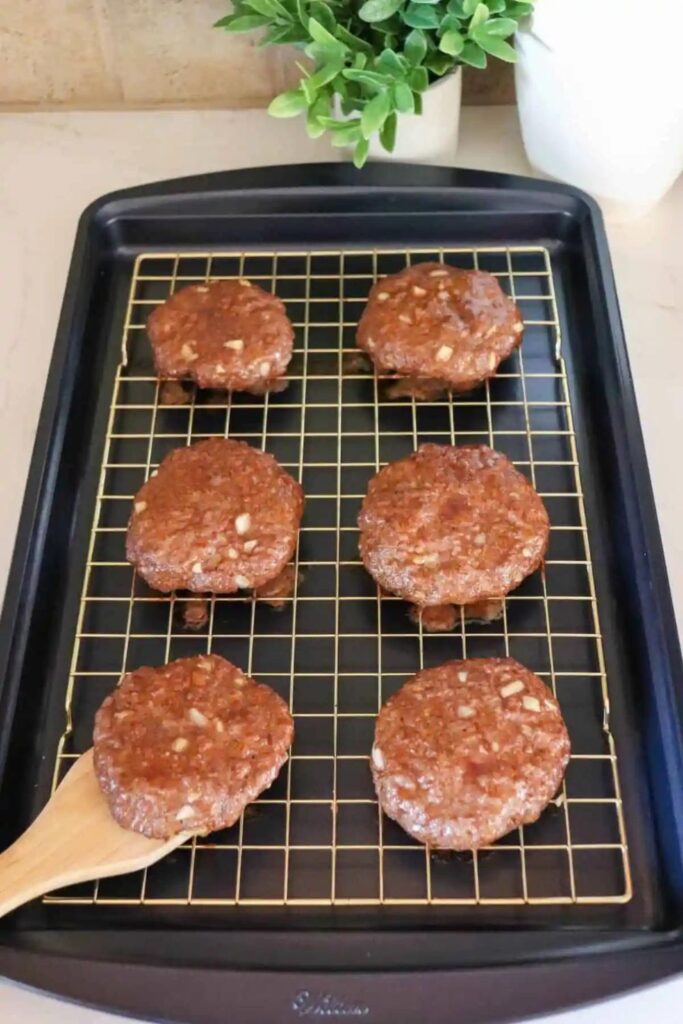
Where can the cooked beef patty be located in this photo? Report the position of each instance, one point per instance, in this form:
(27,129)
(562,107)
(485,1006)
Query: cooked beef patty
(218,516)
(436,322)
(442,618)
(452,525)
(468,751)
(186,746)
(225,334)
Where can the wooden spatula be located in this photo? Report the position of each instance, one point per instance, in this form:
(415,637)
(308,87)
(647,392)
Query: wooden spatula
(74,839)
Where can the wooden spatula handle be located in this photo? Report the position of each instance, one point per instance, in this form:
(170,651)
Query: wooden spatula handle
(74,839)
(28,869)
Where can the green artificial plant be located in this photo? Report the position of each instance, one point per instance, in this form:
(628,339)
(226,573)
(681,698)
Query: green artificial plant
(373,60)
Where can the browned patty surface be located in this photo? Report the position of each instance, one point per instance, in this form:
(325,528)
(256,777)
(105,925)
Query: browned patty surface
(225,334)
(186,746)
(434,321)
(442,618)
(467,751)
(219,516)
(452,525)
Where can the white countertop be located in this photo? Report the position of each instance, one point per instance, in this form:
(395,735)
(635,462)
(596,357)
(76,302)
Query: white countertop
(54,164)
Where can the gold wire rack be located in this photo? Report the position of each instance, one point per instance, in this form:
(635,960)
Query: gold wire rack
(338,649)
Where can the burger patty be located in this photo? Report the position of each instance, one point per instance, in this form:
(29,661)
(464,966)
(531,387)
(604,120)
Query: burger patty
(218,516)
(431,321)
(225,334)
(468,751)
(452,525)
(186,746)
(442,618)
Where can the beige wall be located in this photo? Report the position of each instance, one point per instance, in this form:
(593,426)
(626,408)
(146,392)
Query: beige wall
(136,53)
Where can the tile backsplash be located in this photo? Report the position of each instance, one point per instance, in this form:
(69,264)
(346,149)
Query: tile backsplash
(149,53)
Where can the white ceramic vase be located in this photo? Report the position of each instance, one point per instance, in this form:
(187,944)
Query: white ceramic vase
(600,101)
(432,136)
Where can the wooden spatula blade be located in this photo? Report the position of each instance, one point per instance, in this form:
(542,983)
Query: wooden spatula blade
(74,839)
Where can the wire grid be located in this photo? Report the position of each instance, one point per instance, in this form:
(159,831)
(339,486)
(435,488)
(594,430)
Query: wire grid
(339,648)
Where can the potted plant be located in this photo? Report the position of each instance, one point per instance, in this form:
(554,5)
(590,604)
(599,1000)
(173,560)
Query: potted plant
(601,121)
(373,66)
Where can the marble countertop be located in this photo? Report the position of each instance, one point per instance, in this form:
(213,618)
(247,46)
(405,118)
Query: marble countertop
(53,165)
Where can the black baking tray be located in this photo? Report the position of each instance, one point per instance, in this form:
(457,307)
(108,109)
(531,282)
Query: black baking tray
(380,962)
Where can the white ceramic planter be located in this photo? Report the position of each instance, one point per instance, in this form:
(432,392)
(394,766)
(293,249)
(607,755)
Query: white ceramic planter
(432,136)
(600,107)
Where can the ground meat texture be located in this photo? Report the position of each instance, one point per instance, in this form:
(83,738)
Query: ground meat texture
(219,516)
(468,751)
(420,388)
(172,392)
(225,334)
(278,591)
(186,746)
(452,525)
(434,321)
(442,618)
(195,613)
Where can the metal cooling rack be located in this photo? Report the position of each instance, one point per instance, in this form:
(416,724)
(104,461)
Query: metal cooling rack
(338,650)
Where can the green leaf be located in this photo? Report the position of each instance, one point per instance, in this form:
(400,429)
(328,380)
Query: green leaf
(421,16)
(320,109)
(323,53)
(360,153)
(469,6)
(283,34)
(281,7)
(391,63)
(418,103)
(340,142)
(309,91)
(269,8)
(455,7)
(418,79)
(242,23)
(319,34)
(452,42)
(346,140)
(335,125)
(496,6)
(415,46)
(314,129)
(375,113)
(473,55)
(352,41)
(404,101)
(302,12)
(366,77)
(348,127)
(479,17)
(500,27)
(379,10)
(324,14)
(327,73)
(387,136)
(495,46)
(450,21)
(344,133)
(426,1)
(439,63)
(288,104)
(518,11)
